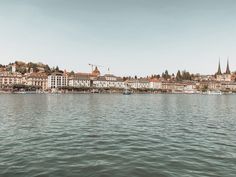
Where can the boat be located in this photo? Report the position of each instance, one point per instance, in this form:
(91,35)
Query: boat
(127,91)
(213,93)
(24,92)
(95,91)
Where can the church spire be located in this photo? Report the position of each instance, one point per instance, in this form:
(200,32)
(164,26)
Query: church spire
(227,68)
(219,69)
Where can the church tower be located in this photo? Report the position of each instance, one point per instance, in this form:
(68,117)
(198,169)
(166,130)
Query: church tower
(219,70)
(96,72)
(227,68)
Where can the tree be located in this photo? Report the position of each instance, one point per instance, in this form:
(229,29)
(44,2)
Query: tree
(186,75)
(21,70)
(178,76)
(72,73)
(166,75)
(125,78)
(47,69)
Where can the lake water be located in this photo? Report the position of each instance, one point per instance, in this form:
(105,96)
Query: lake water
(117,136)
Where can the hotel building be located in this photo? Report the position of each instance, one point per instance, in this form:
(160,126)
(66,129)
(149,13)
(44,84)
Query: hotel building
(57,80)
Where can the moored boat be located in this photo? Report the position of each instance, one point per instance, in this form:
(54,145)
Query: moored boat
(217,92)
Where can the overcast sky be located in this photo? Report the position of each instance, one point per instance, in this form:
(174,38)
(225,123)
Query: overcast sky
(131,37)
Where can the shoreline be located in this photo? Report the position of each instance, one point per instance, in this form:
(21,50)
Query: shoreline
(113,93)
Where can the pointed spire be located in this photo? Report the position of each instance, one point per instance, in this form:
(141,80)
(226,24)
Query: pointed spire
(227,68)
(219,69)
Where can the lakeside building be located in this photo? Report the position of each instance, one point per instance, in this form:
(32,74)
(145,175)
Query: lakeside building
(200,78)
(10,78)
(141,83)
(179,87)
(218,86)
(108,81)
(214,86)
(57,80)
(228,86)
(80,80)
(37,79)
(190,87)
(233,77)
(155,84)
(167,86)
(95,80)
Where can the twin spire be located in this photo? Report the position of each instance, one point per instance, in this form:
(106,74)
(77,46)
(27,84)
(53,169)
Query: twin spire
(227,68)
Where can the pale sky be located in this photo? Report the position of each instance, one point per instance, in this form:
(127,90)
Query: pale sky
(132,37)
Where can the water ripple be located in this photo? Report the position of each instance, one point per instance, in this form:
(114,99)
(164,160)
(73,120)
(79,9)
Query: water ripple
(113,135)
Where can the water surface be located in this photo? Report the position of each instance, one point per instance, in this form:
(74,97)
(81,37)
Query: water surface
(117,135)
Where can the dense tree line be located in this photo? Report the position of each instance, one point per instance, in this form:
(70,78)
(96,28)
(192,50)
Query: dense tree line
(165,75)
(184,75)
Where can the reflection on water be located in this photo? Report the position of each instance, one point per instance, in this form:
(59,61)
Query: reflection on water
(117,135)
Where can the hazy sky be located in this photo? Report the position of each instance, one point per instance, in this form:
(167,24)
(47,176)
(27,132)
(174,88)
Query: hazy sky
(130,36)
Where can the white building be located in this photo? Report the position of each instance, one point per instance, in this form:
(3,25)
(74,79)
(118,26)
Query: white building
(57,80)
(80,80)
(138,83)
(155,84)
(108,81)
(190,87)
(179,87)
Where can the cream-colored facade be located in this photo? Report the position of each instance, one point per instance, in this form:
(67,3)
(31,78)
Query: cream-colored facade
(108,81)
(155,84)
(223,77)
(138,83)
(79,80)
(9,78)
(37,79)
